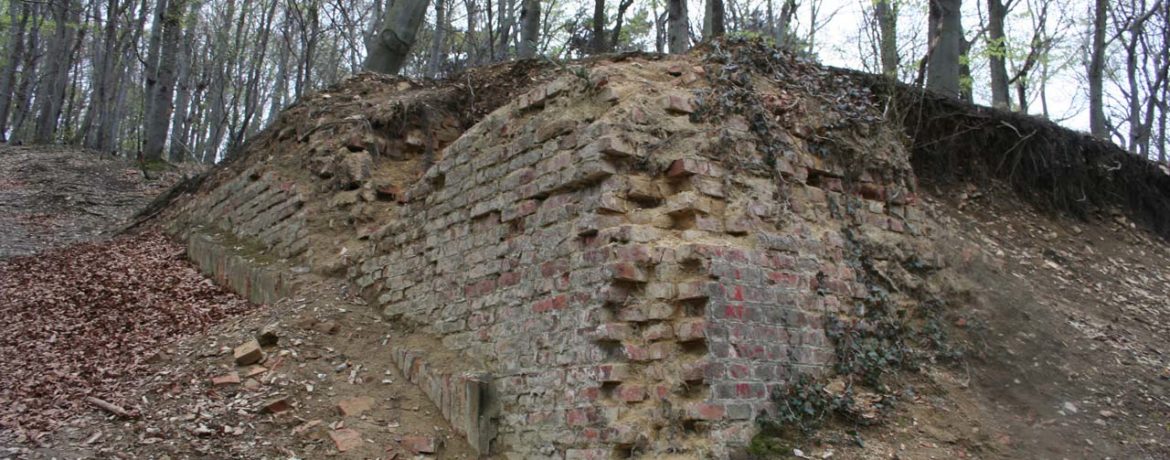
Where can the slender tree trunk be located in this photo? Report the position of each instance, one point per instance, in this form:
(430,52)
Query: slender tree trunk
(438,38)
(678,30)
(784,23)
(180,148)
(887,19)
(597,45)
(529,28)
(1097,71)
(616,36)
(474,56)
(946,30)
(150,67)
(158,122)
(388,52)
(507,21)
(713,17)
(19,14)
(997,52)
(660,31)
(22,97)
(51,93)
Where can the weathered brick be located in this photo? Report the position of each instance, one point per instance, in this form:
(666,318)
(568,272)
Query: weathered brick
(690,330)
(613,332)
(630,392)
(704,411)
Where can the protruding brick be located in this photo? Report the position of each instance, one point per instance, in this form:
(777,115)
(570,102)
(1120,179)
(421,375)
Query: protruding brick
(658,331)
(627,272)
(248,353)
(678,104)
(690,290)
(613,372)
(613,332)
(689,330)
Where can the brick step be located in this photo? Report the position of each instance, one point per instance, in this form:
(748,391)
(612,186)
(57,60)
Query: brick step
(463,396)
(250,275)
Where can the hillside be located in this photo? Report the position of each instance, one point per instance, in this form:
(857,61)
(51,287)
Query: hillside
(733,253)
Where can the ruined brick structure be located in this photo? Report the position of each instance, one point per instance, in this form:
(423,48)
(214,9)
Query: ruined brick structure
(606,272)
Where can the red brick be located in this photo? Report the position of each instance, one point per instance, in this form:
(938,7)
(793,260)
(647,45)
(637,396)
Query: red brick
(631,392)
(552,303)
(675,103)
(627,272)
(226,379)
(346,439)
(355,406)
(420,444)
(705,411)
(275,405)
(581,416)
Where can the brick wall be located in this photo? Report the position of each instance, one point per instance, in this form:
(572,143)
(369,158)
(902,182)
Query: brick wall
(617,276)
(623,293)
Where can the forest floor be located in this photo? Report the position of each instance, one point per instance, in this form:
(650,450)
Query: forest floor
(52,196)
(114,346)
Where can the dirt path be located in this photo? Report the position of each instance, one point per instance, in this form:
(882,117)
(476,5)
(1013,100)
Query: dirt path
(53,196)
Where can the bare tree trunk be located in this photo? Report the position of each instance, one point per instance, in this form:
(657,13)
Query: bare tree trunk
(887,19)
(713,17)
(180,149)
(784,23)
(19,15)
(660,32)
(150,67)
(997,51)
(507,21)
(474,56)
(529,28)
(158,121)
(616,35)
(678,30)
(438,38)
(22,96)
(946,31)
(388,52)
(252,90)
(1097,71)
(597,45)
(51,94)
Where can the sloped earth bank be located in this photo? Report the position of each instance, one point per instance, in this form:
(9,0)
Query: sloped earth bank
(1061,323)
(52,196)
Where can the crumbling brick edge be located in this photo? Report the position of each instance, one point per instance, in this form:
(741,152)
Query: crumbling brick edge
(463,398)
(259,283)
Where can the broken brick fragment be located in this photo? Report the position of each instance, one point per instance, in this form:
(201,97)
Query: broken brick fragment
(248,353)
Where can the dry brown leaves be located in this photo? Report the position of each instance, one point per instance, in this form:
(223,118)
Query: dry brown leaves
(85,320)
